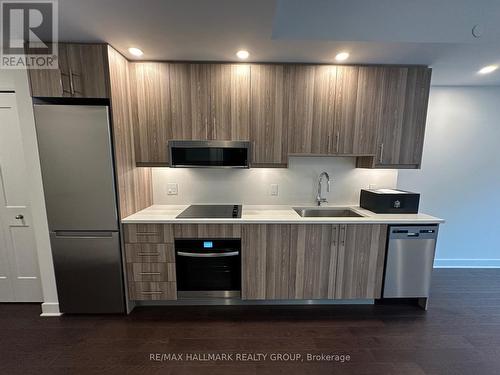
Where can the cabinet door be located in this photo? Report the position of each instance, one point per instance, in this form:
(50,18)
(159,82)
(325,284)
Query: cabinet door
(309,107)
(313,261)
(229,101)
(265,261)
(152,120)
(190,101)
(368,109)
(390,126)
(89,77)
(360,261)
(415,113)
(51,82)
(268,132)
(346,87)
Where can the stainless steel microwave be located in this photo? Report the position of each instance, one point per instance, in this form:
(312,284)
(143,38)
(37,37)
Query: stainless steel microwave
(209,154)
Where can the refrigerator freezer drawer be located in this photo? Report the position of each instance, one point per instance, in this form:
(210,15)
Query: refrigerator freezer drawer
(88,272)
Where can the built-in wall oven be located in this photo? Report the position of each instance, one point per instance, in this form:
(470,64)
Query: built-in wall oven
(208,268)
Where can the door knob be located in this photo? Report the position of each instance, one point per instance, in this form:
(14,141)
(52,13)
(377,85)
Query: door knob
(19,217)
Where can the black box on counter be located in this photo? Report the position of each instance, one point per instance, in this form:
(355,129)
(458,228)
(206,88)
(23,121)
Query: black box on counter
(389,201)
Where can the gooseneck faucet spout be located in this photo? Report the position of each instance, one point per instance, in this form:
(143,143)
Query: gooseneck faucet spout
(319,198)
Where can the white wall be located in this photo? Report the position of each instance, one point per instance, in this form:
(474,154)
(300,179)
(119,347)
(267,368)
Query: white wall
(17,80)
(297,184)
(460,175)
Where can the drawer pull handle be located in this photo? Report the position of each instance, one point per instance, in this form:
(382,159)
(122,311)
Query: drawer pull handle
(152,292)
(148,254)
(149,273)
(146,233)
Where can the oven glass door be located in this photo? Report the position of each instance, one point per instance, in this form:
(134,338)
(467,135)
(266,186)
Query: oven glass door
(199,272)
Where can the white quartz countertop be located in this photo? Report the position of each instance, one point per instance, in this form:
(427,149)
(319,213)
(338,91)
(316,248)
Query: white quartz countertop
(277,214)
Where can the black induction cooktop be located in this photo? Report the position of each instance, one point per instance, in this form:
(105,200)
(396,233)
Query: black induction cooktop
(211,211)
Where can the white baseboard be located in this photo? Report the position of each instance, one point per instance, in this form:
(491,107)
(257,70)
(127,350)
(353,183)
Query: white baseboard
(50,309)
(466,263)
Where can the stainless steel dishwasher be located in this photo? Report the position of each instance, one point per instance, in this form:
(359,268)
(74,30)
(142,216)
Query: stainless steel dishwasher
(410,257)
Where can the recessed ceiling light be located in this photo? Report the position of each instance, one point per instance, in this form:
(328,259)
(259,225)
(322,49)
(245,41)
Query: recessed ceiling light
(342,56)
(135,51)
(242,54)
(488,69)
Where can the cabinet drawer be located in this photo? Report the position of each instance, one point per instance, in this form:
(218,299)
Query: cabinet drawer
(148,233)
(150,291)
(151,271)
(149,253)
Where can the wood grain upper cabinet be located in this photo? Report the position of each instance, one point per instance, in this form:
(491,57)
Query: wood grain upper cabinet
(82,72)
(190,101)
(368,109)
(309,98)
(265,262)
(151,114)
(229,101)
(390,126)
(51,82)
(346,91)
(89,76)
(268,132)
(361,254)
(418,85)
(313,261)
(400,131)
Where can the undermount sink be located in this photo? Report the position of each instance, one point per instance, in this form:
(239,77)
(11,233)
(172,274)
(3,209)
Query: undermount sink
(326,212)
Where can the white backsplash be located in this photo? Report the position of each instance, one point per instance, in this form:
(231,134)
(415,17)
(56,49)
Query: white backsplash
(296,185)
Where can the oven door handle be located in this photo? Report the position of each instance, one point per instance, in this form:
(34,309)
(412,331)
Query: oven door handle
(208,255)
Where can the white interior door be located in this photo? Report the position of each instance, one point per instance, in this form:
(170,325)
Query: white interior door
(19,272)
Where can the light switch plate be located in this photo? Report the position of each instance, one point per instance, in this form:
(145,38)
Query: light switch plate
(274,189)
(172,189)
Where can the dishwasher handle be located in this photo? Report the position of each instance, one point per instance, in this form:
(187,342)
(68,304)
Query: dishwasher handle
(413,232)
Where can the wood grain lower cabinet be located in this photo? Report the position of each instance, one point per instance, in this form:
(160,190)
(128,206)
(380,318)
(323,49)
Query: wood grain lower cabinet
(313,261)
(152,291)
(361,254)
(148,272)
(148,233)
(265,261)
(149,252)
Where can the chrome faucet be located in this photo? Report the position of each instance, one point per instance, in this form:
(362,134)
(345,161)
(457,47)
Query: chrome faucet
(319,198)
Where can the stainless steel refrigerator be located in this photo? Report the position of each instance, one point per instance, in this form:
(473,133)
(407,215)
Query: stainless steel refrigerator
(78,179)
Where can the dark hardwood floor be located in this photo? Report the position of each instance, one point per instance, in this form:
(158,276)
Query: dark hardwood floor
(460,334)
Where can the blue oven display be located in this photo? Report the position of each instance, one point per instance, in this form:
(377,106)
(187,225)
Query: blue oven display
(208,244)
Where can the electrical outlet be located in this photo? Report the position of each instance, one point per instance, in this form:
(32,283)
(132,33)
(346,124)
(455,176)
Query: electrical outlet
(274,189)
(172,189)
(372,186)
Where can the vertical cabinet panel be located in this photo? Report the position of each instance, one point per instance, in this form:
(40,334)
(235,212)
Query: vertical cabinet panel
(309,107)
(390,126)
(346,87)
(265,261)
(268,132)
(360,261)
(415,113)
(190,101)
(229,101)
(368,109)
(313,261)
(152,118)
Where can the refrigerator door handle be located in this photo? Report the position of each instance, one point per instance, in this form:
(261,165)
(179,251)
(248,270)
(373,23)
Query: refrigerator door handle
(82,234)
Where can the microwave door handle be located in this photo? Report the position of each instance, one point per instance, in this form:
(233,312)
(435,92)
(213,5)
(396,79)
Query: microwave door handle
(208,255)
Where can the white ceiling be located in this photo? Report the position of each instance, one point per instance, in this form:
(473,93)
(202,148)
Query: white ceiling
(432,32)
